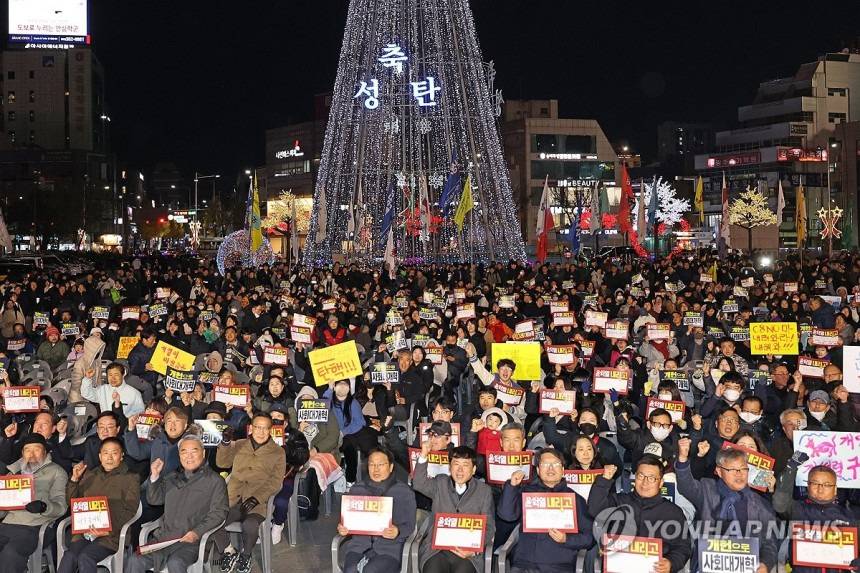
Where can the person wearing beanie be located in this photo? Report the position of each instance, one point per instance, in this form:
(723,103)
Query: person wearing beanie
(53,350)
(19,530)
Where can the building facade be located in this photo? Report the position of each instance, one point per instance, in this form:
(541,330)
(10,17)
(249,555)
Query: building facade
(55,156)
(785,136)
(571,155)
(678,143)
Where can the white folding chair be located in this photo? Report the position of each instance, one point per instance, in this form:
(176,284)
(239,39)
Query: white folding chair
(113,563)
(34,563)
(339,540)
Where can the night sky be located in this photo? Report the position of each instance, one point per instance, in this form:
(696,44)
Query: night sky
(197,82)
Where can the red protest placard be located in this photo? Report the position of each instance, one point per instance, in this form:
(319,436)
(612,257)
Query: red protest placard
(580,481)
(823,547)
(21,399)
(675,408)
(459,531)
(543,511)
(90,513)
(563,400)
(502,465)
(437,462)
(16,491)
(366,515)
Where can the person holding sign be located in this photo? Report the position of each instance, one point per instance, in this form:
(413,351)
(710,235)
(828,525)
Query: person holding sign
(116,393)
(381,551)
(19,530)
(459,493)
(112,479)
(258,467)
(651,515)
(819,507)
(139,359)
(555,550)
(194,500)
(728,501)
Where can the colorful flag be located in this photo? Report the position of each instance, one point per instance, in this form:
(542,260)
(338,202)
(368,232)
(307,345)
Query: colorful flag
(255,222)
(780,204)
(545,222)
(700,199)
(624,205)
(574,224)
(800,216)
(452,184)
(388,257)
(725,237)
(466,204)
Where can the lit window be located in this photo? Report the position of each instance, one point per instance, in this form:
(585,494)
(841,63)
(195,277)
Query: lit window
(10,97)
(12,136)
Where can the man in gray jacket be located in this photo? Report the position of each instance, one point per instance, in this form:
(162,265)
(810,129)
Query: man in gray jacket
(19,531)
(195,501)
(457,493)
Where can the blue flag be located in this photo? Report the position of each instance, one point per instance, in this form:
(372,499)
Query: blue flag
(388,216)
(452,185)
(574,225)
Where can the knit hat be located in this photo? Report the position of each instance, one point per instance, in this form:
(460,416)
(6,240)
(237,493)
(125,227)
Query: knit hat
(52,330)
(34,438)
(216,407)
(440,428)
(498,411)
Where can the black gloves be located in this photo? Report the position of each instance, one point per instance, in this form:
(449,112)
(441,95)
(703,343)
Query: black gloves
(248,505)
(227,435)
(798,459)
(36,506)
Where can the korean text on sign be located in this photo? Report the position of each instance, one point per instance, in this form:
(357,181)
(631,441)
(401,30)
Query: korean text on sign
(335,363)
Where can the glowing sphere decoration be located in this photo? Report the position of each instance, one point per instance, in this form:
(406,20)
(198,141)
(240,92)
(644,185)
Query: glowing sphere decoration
(235,250)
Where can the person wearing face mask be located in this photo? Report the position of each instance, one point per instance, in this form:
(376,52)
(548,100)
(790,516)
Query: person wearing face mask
(727,393)
(752,418)
(587,421)
(657,437)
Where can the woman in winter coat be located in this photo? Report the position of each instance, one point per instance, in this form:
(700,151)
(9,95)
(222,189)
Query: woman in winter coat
(112,479)
(12,315)
(94,348)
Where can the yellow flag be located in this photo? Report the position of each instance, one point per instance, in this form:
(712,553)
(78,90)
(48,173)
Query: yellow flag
(700,202)
(800,217)
(255,230)
(466,204)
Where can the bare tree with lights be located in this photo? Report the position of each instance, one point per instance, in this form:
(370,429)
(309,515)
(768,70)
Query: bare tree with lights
(750,210)
(413,115)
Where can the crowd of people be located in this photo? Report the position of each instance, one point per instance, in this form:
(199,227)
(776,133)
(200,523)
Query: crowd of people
(697,440)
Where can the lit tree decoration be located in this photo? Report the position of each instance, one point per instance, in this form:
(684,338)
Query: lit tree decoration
(750,210)
(670,209)
(235,250)
(281,210)
(417,65)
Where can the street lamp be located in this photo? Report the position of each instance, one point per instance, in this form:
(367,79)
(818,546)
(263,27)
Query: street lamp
(197,178)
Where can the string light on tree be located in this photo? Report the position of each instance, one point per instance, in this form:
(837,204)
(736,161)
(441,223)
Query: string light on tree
(750,210)
(412,95)
(670,208)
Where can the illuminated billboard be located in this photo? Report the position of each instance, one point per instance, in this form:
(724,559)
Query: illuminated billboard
(48,23)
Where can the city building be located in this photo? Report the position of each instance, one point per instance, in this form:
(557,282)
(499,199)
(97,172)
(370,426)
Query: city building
(292,161)
(571,154)
(55,156)
(785,135)
(678,143)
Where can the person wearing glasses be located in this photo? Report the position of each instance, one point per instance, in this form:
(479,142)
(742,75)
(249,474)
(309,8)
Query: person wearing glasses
(381,553)
(546,552)
(728,504)
(651,511)
(657,437)
(708,440)
(819,507)
(258,468)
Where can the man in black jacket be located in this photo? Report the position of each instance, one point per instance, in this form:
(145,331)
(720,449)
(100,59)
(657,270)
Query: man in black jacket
(652,515)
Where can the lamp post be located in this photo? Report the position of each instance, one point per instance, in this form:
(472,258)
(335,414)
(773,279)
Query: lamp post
(197,178)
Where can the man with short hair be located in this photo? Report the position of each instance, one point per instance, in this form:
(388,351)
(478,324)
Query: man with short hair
(140,357)
(195,501)
(19,530)
(728,503)
(459,493)
(162,444)
(653,513)
(115,394)
(556,550)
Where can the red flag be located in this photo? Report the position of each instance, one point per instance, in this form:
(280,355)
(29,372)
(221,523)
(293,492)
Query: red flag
(624,204)
(545,222)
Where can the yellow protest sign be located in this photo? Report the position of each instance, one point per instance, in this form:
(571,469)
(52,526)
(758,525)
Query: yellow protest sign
(773,338)
(526,355)
(166,355)
(126,343)
(335,363)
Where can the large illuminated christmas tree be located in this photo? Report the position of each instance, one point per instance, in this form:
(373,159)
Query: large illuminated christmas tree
(412,143)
